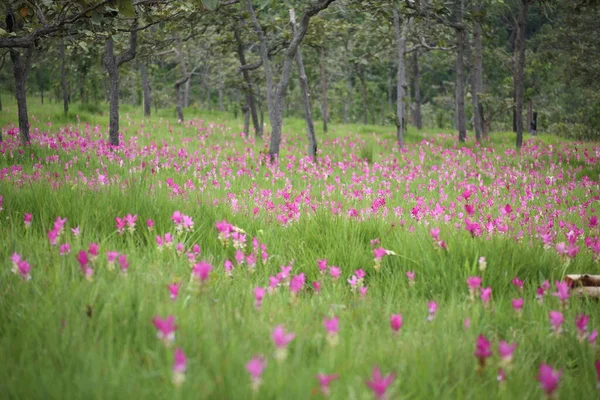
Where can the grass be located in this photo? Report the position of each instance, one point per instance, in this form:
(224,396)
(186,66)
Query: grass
(64,337)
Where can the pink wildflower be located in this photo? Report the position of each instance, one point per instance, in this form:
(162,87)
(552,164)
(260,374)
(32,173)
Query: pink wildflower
(316,286)
(93,251)
(297,283)
(24,270)
(411,277)
(259,294)
(581,323)
(335,272)
(379,384)
(111,257)
(179,367)
(202,271)
(255,368)
(281,339)
(228,266)
(174,290)
(506,350)
(325,381)
(150,224)
(548,379)
(65,249)
(517,282)
(562,292)
(483,350)
(76,231)
(165,328)
(27,218)
(396,322)
(486,295)
(322,264)
(556,320)
(518,305)
(432,307)
(122,260)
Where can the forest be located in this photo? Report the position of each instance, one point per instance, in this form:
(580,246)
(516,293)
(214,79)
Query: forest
(299,199)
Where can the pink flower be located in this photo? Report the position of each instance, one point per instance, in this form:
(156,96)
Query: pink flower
(239,257)
(82,259)
(548,379)
(130,221)
(335,272)
(165,328)
(506,350)
(259,294)
(598,373)
(228,266)
(202,271)
(53,236)
(120,222)
(483,350)
(322,264)
(474,282)
(255,368)
(65,249)
(150,224)
(174,290)
(159,242)
(592,337)
(396,322)
(325,381)
(378,254)
(180,248)
(331,325)
(179,367)
(518,305)
(297,283)
(581,323)
(27,218)
(360,274)
(316,286)
(411,277)
(486,295)
(467,323)
(93,250)
(122,260)
(280,337)
(435,233)
(177,218)
(363,291)
(379,384)
(111,256)
(556,320)
(76,231)
(517,282)
(562,292)
(432,307)
(24,268)
(501,376)
(15,259)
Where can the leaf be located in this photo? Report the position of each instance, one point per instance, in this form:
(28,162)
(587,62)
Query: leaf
(83,45)
(126,8)
(3,33)
(210,4)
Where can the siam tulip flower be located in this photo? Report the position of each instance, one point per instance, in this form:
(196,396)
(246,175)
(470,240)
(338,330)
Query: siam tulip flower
(322,264)
(411,277)
(592,337)
(177,218)
(467,323)
(466,194)
(130,221)
(111,256)
(168,240)
(159,242)
(196,249)
(483,351)
(363,291)
(251,262)
(482,264)
(53,237)
(65,249)
(469,209)
(506,350)
(228,266)
(180,248)
(541,291)
(581,323)
(486,295)
(593,222)
(284,275)
(27,218)
(325,381)
(316,286)
(188,223)
(432,307)
(548,379)
(24,270)
(335,272)
(473,228)
(598,374)
(378,254)
(556,320)
(259,294)
(281,339)
(123,264)
(379,384)
(255,368)
(353,281)
(435,234)
(274,282)
(501,378)
(396,322)
(518,283)
(297,284)
(93,251)
(518,305)
(202,271)
(506,210)
(174,290)
(474,284)
(59,224)
(150,224)
(84,264)
(239,257)
(332,327)
(1,200)
(165,329)
(120,222)
(76,231)
(179,367)
(562,292)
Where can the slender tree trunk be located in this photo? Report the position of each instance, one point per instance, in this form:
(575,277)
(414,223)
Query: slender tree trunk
(365,103)
(21,64)
(323,70)
(400,28)
(246,110)
(529,115)
(133,91)
(390,90)
(221,108)
(348,100)
(179,99)
(63,77)
(42,95)
(186,93)
(477,78)
(310,127)
(417,91)
(258,131)
(519,77)
(460,90)
(145,90)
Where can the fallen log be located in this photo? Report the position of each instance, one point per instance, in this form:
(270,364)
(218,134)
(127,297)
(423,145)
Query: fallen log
(583,280)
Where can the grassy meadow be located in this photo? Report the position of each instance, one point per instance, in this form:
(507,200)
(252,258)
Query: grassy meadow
(70,333)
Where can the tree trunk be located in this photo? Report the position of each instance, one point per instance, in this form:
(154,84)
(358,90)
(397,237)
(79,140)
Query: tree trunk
(186,93)
(258,131)
(21,64)
(418,120)
(460,90)
(63,77)
(520,73)
(310,127)
(400,29)
(348,101)
(365,104)
(179,99)
(146,90)
(529,115)
(246,110)
(390,90)
(220,87)
(477,78)
(42,95)
(324,111)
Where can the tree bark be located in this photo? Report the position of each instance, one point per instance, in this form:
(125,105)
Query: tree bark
(186,93)
(520,73)
(133,91)
(365,104)
(145,90)
(220,87)
(460,90)
(246,110)
(323,70)
(276,94)
(400,29)
(112,63)
(63,77)
(310,127)
(418,120)
(21,64)
(348,100)
(247,84)
(477,78)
